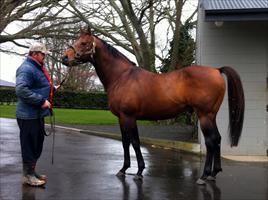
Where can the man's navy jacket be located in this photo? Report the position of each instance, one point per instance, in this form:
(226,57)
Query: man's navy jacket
(32,89)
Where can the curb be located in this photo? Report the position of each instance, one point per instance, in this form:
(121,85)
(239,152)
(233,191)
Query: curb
(246,158)
(167,144)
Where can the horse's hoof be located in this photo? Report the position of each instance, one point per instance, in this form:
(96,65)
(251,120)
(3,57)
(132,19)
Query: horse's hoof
(200,182)
(138,177)
(211,178)
(120,174)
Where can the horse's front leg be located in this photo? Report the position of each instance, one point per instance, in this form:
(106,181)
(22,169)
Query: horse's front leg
(126,143)
(129,130)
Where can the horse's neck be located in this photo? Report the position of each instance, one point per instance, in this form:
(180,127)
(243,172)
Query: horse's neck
(109,68)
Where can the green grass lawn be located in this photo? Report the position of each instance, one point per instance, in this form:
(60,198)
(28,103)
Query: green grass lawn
(84,117)
(72,116)
(8,111)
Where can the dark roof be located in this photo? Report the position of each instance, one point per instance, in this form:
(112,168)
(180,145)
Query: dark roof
(234,4)
(235,10)
(6,84)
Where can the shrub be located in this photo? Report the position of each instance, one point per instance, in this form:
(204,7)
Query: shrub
(64,99)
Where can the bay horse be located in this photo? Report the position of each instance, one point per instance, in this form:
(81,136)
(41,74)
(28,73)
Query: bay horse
(137,94)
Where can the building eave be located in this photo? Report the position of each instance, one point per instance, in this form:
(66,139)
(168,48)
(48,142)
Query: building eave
(237,15)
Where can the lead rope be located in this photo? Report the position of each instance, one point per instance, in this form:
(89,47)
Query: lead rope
(53,126)
(52,123)
(52,117)
(52,131)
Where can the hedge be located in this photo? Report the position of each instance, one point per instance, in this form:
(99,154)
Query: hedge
(7,96)
(87,100)
(64,99)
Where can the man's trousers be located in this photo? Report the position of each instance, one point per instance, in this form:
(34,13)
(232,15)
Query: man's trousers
(32,133)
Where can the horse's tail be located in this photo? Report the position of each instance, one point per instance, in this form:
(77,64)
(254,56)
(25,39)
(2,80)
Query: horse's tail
(236,101)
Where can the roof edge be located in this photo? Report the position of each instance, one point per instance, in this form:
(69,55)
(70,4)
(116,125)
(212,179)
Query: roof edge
(248,10)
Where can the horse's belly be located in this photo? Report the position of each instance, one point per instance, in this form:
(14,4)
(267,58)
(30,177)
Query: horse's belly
(161,112)
(147,104)
(150,111)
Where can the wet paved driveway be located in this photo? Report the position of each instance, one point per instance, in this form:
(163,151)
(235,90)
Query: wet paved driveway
(85,167)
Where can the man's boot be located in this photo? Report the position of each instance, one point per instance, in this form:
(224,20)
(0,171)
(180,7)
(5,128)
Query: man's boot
(29,177)
(39,176)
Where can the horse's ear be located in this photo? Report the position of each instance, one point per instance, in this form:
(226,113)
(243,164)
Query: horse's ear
(89,30)
(82,30)
(85,30)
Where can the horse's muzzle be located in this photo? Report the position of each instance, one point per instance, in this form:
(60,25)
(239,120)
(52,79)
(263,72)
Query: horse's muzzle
(65,60)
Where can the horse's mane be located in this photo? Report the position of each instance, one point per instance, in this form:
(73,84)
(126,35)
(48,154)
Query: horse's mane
(114,51)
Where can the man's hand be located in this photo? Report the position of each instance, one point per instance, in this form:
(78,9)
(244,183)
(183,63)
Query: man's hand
(46,104)
(57,87)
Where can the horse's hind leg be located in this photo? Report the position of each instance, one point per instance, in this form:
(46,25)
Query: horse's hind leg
(212,142)
(217,152)
(136,145)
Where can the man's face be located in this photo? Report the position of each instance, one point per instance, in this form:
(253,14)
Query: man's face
(40,57)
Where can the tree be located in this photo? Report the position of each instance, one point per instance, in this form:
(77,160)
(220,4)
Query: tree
(34,20)
(132,25)
(185,51)
(47,22)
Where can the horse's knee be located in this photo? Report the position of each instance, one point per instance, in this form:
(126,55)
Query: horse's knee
(209,143)
(212,140)
(217,138)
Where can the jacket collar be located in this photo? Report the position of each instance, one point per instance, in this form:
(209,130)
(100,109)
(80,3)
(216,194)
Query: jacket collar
(34,62)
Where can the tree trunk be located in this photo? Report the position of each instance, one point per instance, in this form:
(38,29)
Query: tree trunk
(147,57)
(176,38)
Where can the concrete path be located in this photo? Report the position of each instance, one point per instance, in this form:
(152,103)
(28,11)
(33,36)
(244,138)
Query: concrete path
(85,168)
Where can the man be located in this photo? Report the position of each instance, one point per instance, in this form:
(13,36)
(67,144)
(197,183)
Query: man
(33,89)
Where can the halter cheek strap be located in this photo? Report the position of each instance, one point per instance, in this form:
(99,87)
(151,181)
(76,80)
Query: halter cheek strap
(90,51)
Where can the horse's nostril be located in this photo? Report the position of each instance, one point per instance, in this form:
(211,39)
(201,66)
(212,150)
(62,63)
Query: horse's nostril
(64,59)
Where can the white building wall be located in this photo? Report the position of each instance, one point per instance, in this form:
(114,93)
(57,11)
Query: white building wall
(243,46)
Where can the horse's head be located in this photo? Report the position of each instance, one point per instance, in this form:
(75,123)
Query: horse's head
(81,51)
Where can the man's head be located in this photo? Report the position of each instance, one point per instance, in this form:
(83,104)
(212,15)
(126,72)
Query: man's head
(38,51)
